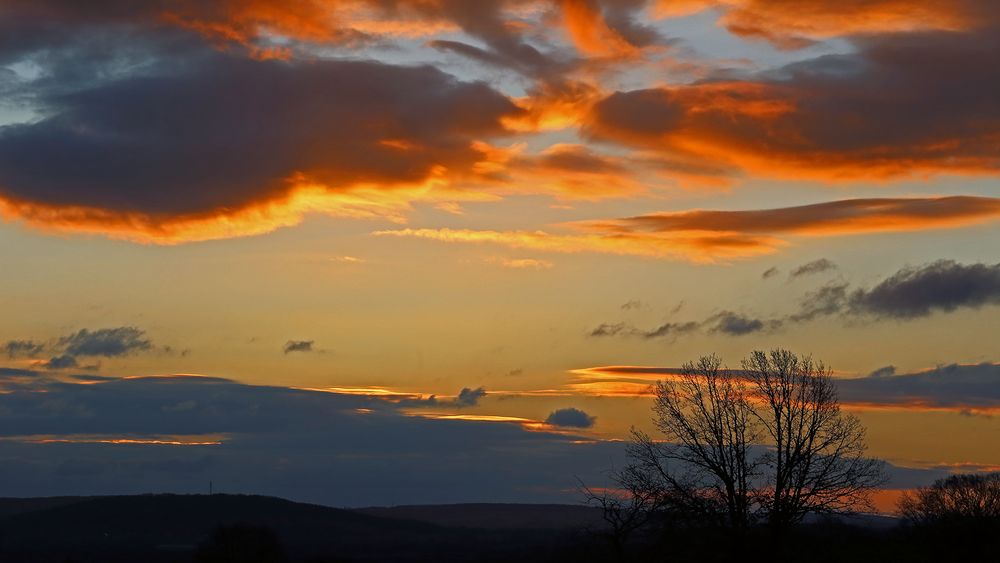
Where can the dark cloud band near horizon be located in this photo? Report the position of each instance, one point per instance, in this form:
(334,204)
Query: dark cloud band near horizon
(117,436)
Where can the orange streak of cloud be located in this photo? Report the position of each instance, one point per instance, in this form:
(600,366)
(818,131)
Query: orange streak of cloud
(696,247)
(591,33)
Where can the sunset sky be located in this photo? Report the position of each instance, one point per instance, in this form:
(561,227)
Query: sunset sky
(389,251)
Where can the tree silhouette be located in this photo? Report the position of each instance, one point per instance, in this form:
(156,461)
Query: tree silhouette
(959,499)
(637,498)
(764,444)
(816,461)
(706,415)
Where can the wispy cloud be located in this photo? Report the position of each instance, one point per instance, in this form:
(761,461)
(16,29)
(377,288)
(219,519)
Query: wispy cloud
(707,236)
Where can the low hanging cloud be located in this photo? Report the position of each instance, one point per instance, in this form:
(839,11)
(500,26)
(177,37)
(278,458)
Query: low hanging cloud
(65,361)
(570,418)
(469,397)
(912,292)
(105,342)
(735,324)
(815,267)
(116,342)
(22,348)
(884,371)
(175,433)
(297,346)
(973,388)
(707,235)
(965,388)
(941,286)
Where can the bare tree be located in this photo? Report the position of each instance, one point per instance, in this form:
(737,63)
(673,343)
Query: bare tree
(636,499)
(765,442)
(706,417)
(955,499)
(816,461)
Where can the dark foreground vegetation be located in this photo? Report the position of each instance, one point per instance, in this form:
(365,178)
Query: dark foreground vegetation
(236,528)
(232,528)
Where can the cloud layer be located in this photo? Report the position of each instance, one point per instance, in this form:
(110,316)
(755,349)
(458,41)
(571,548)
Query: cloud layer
(708,235)
(117,342)
(913,292)
(175,433)
(966,388)
(174,121)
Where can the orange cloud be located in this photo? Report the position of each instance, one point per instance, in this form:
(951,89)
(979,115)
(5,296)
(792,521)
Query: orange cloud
(795,24)
(850,216)
(199,440)
(359,202)
(968,389)
(170,158)
(243,21)
(563,170)
(693,247)
(591,33)
(521,263)
(553,106)
(901,106)
(709,236)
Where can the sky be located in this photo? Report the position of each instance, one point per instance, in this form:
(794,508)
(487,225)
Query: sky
(368,252)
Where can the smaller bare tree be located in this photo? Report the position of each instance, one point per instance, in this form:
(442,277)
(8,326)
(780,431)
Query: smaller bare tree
(816,462)
(708,421)
(635,500)
(955,499)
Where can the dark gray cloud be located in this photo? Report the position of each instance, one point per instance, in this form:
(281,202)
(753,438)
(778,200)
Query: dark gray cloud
(725,322)
(169,141)
(884,371)
(469,397)
(609,329)
(814,267)
(770,272)
(849,115)
(669,329)
(65,351)
(632,304)
(297,346)
(909,293)
(343,450)
(829,299)
(912,292)
(955,386)
(17,373)
(943,286)
(105,342)
(736,324)
(313,446)
(22,348)
(570,418)
(61,362)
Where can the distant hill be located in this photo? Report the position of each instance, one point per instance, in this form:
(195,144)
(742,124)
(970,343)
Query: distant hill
(12,506)
(496,516)
(171,527)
